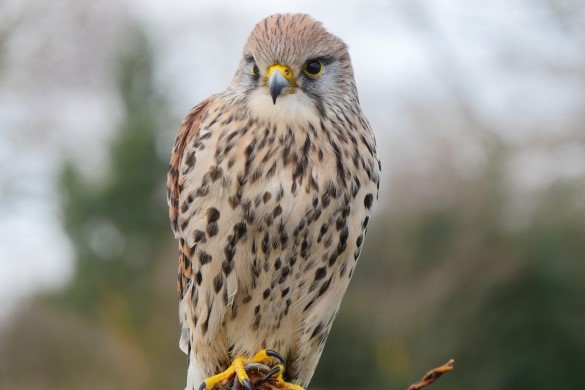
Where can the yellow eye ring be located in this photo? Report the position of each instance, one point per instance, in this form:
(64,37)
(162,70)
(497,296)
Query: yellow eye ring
(255,71)
(313,68)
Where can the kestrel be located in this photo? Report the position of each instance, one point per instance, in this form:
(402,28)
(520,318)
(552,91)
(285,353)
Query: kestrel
(270,189)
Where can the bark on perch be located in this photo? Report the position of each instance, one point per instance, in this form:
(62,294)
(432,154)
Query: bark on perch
(433,375)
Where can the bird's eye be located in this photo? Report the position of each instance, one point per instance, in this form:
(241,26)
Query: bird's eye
(255,70)
(313,68)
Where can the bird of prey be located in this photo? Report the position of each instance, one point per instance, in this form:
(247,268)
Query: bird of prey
(270,189)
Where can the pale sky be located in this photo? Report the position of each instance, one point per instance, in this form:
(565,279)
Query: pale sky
(498,54)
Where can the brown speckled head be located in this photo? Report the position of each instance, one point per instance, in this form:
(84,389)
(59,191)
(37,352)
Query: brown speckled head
(292,39)
(294,43)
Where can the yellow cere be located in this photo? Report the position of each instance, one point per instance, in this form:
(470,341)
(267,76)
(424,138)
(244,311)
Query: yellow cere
(285,70)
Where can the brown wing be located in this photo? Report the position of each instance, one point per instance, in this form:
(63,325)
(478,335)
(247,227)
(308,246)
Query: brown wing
(189,129)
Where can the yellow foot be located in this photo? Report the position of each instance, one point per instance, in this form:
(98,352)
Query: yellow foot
(276,375)
(237,368)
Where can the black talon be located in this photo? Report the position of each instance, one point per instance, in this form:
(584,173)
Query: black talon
(269,375)
(247,385)
(202,386)
(275,354)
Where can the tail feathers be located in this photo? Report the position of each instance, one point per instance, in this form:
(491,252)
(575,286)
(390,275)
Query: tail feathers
(195,376)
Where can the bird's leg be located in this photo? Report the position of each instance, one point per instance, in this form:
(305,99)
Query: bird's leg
(270,374)
(236,368)
(266,356)
(276,373)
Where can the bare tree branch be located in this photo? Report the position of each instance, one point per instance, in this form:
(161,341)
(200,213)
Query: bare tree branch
(433,375)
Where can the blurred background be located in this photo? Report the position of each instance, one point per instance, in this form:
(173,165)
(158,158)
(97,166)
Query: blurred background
(477,247)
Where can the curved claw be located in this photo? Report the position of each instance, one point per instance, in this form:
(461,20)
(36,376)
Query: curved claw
(202,386)
(270,374)
(274,354)
(247,385)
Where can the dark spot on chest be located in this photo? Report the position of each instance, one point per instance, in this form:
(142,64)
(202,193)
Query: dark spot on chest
(277,211)
(265,243)
(204,257)
(284,274)
(320,273)
(368,200)
(317,330)
(213,214)
(199,236)
(240,230)
(285,292)
(324,287)
(218,282)
(203,190)
(215,173)
(212,229)
(365,222)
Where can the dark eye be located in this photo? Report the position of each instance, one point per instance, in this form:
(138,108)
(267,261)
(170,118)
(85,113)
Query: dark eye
(255,70)
(313,68)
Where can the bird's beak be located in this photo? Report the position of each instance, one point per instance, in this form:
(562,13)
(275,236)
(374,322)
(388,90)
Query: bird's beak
(279,80)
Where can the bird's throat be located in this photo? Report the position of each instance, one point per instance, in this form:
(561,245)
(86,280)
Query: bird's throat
(290,109)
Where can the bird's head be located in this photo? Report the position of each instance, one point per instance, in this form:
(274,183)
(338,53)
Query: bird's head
(293,67)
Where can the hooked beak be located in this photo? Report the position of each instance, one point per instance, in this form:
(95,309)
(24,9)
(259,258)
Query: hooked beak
(280,80)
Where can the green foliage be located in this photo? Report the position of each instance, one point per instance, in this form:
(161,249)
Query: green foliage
(119,313)
(118,226)
(507,304)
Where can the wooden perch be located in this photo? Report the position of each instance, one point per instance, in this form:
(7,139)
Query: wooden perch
(433,375)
